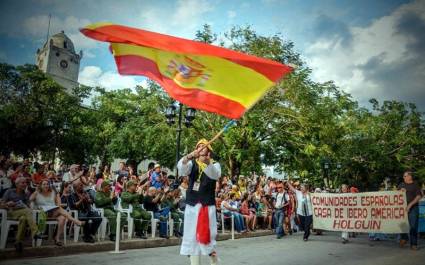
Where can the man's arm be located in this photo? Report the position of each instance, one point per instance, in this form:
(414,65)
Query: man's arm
(415,201)
(213,171)
(184,166)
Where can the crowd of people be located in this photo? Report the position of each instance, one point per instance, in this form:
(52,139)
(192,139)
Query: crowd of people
(255,202)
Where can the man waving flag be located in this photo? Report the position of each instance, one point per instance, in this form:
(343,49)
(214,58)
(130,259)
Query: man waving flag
(199,75)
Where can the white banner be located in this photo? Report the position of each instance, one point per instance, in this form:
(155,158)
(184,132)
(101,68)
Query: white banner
(373,212)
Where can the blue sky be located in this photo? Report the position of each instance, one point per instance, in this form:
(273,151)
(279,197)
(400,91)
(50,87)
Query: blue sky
(369,48)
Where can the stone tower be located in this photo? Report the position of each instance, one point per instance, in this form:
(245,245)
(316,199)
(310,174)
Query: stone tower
(58,59)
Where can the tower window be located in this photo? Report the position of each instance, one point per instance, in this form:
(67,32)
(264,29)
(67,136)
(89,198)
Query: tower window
(65,45)
(57,54)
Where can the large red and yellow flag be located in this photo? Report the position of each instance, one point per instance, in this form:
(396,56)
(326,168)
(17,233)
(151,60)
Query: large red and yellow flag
(196,74)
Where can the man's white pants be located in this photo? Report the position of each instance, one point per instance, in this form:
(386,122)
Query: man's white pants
(190,246)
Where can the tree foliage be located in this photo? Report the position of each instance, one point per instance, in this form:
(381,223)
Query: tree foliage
(298,127)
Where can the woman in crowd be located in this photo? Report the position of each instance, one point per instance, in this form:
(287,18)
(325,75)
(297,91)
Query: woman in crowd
(119,185)
(247,213)
(258,193)
(106,172)
(228,210)
(184,185)
(66,192)
(47,200)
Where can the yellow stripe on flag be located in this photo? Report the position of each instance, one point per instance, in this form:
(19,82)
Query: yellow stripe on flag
(211,74)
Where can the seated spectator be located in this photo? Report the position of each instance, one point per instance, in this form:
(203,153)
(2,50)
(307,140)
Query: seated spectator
(48,201)
(248,214)
(119,185)
(66,192)
(236,192)
(151,203)
(39,175)
(51,176)
(171,201)
(99,179)
(157,179)
(16,201)
(132,174)
(140,215)
(106,172)
(184,185)
(242,184)
(75,172)
(106,199)
(269,202)
(122,171)
(228,210)
(82,202)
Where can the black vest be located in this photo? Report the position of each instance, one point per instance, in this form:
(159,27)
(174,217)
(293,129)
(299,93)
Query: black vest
(206,193)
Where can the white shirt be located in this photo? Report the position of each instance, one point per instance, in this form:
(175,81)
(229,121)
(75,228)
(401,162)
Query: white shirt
(280,200)
(303,201)
(213,171)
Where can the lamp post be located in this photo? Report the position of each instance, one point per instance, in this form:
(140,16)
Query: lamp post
(338,167)
(170,114)
(326,166)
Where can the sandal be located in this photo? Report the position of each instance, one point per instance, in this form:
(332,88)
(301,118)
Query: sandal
(58,243)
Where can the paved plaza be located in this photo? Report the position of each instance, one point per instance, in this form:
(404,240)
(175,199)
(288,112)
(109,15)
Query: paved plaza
(266,250)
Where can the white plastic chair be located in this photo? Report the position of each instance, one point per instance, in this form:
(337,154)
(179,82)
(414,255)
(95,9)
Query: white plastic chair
(5,226)
(101,232)
(232,224)
(154,222)
(130,221)
(50,222)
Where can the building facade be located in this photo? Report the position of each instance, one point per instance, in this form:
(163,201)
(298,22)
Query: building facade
(58,59)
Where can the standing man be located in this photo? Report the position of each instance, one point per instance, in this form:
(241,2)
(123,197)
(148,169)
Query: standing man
(200,223)
(280,204)
(413,196)
(344,234)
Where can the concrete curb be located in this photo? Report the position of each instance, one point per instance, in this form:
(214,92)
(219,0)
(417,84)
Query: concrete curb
(80,247)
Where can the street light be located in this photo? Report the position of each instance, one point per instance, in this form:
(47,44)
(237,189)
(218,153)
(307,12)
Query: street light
(170,114)
(326,166)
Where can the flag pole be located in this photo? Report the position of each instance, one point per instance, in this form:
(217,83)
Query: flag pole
(225,129)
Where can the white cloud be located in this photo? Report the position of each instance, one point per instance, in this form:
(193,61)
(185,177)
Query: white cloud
(231,14)
(94,76)
(381,42)
(182,20)
(36,27)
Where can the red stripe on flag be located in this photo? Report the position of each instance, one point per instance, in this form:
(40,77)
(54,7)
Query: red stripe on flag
(122,34)
(195,98)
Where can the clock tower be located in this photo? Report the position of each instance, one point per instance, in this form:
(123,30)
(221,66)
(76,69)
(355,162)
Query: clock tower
(57,58)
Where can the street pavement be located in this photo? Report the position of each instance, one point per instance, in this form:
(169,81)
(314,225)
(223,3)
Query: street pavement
(267,250)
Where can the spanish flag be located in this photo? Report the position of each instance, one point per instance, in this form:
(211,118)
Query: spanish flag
(199,75)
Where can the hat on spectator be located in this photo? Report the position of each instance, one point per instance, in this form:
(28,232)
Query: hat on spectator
(130,183)
(105,183)
(157,166)
(73,166)
(204,142)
